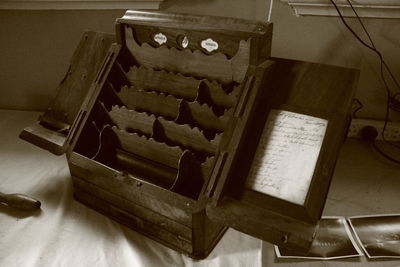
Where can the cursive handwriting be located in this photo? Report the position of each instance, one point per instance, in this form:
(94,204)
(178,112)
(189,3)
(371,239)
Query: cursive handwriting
(287,154)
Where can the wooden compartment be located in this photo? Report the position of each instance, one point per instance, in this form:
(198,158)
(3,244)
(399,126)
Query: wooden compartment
(174,125)
(158,116)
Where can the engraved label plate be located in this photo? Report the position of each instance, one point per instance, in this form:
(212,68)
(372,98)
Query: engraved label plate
(209,45)
(160,38)
(287,155)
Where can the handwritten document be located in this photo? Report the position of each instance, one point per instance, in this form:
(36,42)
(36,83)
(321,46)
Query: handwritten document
(287,155)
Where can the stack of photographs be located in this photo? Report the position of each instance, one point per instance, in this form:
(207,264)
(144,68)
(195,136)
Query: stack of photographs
(377,235)
(333,240)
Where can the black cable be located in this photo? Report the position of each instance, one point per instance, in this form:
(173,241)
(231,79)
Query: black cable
(373,45)
(384,154)
(362,24)
(369,134)
(350,29)
(373,48)
(382,64)
(362,41)
(100,138)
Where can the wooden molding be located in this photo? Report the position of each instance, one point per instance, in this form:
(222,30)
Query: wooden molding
(365,8)
(78,5)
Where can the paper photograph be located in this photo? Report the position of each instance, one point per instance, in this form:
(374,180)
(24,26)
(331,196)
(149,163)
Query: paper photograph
(333,240)
(379,235)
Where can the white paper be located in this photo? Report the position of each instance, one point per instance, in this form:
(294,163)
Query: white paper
(287,155)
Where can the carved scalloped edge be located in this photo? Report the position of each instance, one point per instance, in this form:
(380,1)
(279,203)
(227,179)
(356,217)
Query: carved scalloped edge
(152,94)
(117,107)
(205,106)
(145,112)
(152,117)
(207,109)
(161,147)
(194,131)
(142,68)
(118,111)
(228,112)
(190,51)
(218,56)
(213,85)
(208,162)
(217,140)
(206,166)
(199,79)
(202,144)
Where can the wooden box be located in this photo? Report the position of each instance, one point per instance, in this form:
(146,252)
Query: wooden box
(166,129)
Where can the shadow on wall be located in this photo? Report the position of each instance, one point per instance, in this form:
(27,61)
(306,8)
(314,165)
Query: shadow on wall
(36,48)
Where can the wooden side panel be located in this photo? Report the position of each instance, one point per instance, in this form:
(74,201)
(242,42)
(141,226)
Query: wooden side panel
(55,125)
(135,221)
(184,231)
(85,63)
(206,234)
(44,138)
(263,224)
(166,204)
(184,227)
(312,89)
(321,91)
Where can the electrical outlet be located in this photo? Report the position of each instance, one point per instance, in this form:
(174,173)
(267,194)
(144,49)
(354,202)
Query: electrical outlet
(392,132)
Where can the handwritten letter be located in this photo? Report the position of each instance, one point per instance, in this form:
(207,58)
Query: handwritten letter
(287,155)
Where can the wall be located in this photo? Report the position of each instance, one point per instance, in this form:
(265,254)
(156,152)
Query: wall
(322,40)
(36,46)
(35,50)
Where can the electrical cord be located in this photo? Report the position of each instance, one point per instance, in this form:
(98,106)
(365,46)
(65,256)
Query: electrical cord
(384,154)
(100,138)
(372,46)
(369,134)
(391,100)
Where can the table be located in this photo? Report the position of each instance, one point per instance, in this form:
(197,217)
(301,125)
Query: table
(67,233)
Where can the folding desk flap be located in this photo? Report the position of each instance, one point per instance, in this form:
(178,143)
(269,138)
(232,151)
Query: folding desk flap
(276,185)
(55,125)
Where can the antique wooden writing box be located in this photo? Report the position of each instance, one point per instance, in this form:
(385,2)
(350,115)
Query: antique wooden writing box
(185,126)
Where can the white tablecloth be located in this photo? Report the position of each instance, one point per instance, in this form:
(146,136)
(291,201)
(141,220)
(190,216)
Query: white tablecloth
(67,233)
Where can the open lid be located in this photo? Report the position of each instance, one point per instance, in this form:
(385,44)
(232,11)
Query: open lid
(54,129)
(272,179)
